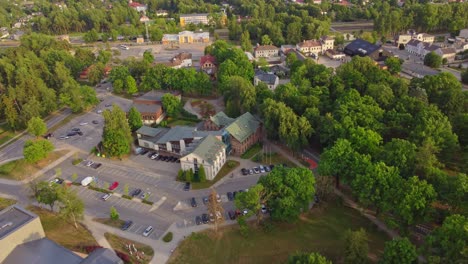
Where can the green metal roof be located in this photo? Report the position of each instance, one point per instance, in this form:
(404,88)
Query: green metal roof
(208,148)
(244,126)
(221,119)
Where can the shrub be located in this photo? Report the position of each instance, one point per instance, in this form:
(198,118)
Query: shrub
(76,183)
(98,189)
(168,237)
(77,161)
(123,256)
(89,249)
(147,202)
(127,197)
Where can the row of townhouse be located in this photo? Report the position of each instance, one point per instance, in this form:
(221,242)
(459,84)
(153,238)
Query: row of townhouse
(307,47)
(421,49)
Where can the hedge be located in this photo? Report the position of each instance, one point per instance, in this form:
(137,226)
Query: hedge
(77,161)
(168,237)
(99,189)
(147,202)
(127,197)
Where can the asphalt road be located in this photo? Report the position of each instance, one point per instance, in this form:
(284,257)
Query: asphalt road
(15,149)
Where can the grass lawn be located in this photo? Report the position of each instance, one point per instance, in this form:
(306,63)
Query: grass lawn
(20,169)
(118,243)
(227,168)
(252,151)
(273,158)
(320,231)
(107,221)
(179,122)
(5,202)
(63,232)
(6,134)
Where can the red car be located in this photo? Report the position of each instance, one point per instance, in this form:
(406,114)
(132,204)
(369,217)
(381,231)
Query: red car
(113,186)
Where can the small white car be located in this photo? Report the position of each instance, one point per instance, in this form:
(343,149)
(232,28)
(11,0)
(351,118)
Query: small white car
(124,47)
(83,123)
(264,209)
(106,196)
(148,231)
(86,181)
(89,163)
(99,111)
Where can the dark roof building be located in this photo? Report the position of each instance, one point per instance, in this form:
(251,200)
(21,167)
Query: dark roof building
(363,48)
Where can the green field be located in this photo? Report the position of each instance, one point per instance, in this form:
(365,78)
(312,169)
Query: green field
(320,231)
(5,202)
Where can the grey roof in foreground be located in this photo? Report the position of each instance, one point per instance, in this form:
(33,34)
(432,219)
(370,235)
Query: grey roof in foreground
(268,78)
(207,148)
(102,256)
(42,251)
(13,218)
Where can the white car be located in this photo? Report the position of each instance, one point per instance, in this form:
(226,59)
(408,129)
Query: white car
(89,163)
(124,47)
(106,196)
(99,111)
(86,181)
(154,156)
(148,231)
(83,123)
(64,137)
(264,209)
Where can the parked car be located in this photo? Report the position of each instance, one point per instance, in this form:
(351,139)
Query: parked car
(218,198)
(124,47)
(145,195)
(144,152)
(251,172)
(267,168)
(264,209)
(57,181)
(148,231)
(245,171)
(198,220)
(127,225)
(232,215)
(187,186)
(114,185)
(71,134)
(230,196)
(79,133)
(262,170)
(234,193)
(99,111)
(96,165)
(193,202)
(205,200)
(151,154)
(86,181)
(205,218)
(64,137)
(106,196)
(95,122)
(136,192)
(245,211)
(108,105)
(75,129)
(89,163)
(83,123)
(48,135)
(256,170)
(154,156)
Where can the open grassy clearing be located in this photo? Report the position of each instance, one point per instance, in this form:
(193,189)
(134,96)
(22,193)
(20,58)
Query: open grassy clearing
(20,169)
(321,230)
(63,232)
(227,168)
(254,149)
(119,243)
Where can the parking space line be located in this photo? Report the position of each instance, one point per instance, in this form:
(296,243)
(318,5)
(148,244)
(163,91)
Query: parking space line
(138,230)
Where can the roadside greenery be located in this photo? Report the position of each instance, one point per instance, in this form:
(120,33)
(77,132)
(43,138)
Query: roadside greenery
(254,149)
(39,149)
(168,237)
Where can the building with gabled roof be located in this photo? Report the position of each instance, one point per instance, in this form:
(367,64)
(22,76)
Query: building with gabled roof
(208,64)
(266,51)
(243,131)
(270,79)
(209,152)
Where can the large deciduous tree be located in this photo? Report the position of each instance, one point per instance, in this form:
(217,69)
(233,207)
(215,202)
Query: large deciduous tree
(289,191)
(37,150)
(449,242)
(356,247)
(399,251)
(72,207)
(116,136)
(134,119)
(37,126)
(171,104)
(308,258)
(252,200)
(432,60)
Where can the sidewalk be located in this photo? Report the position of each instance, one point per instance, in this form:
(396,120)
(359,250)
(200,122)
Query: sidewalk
(41,172)
(188,107)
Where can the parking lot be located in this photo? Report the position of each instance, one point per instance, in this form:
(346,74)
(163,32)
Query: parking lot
(92,133)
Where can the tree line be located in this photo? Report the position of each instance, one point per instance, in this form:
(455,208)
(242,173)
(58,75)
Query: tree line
(38,77)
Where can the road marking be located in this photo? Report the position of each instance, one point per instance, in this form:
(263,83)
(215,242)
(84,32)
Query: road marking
(159,203)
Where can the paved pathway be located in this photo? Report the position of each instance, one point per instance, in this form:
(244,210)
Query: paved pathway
(188,107)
